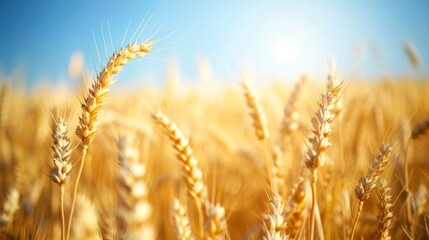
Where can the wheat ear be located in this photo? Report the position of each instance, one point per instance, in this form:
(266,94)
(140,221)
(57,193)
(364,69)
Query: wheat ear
(192,174)
(10,206)
(279,175)
(413,55)
(215,225)
(319,142)
(134,211)
(259,124)
(60,172)
(93,104)
(275,223)
(385,214)
(181,222)
(297,207)
(290,121)
(369,182)
(87,218)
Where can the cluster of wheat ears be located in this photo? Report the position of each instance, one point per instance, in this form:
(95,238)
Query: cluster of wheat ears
(299,177)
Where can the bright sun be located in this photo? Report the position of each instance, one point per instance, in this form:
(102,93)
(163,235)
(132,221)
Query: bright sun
(286,51)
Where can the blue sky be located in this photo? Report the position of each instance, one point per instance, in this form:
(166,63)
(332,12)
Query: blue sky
(273,38)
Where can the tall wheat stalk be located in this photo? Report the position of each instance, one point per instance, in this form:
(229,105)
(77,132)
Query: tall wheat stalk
(319,142)
(61,171)
(369,182)
(92,105)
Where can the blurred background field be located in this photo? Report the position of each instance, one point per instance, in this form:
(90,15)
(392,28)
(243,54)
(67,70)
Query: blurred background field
(52,52)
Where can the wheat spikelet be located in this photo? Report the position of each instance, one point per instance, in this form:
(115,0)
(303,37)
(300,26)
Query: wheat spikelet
(191,172)
(256,111)
(420,129)
(134,211)
(412,54)
(275,224)
(93,103)
(10,206)
(60,172)
(385,215)
(181,222)
(215,225)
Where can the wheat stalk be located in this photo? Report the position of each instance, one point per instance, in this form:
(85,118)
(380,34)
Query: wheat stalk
(181,222)
(192,174)
(385,215)
(290,121)
(10,206)
(87,218)
(275,222)
(297,208)
(368,183)
(134,210)
(215,225)
(259,125)
(256,111)
(61,171)
(319,142)
(92,105)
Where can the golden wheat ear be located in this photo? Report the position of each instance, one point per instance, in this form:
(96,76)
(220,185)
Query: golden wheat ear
(385,214)
(61,171)
(92,105)
(369,182)
(275,221)
(134,211)
(181,223)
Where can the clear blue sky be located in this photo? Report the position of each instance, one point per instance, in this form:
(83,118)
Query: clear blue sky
(280,38)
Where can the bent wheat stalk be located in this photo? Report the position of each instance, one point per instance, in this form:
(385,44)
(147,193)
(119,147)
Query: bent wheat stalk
(95,100)
(369,182)
(192,174)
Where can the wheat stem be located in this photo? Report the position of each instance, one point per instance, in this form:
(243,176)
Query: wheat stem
(63,220)
(76,186)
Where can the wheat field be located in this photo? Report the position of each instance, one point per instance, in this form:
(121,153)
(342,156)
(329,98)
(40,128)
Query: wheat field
(322,157)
